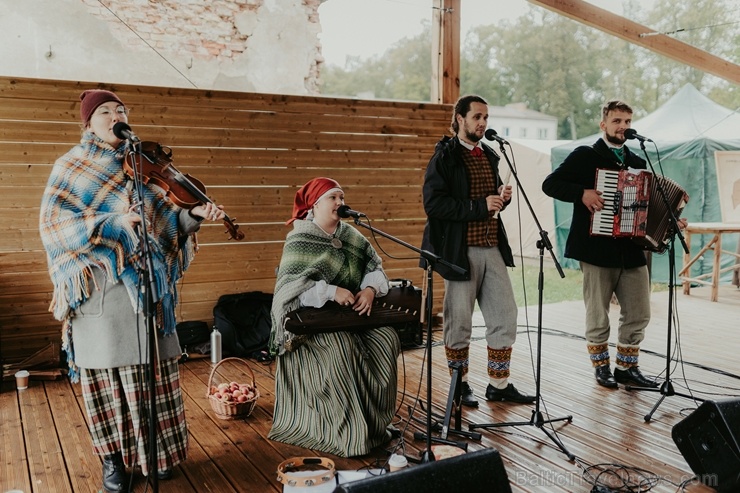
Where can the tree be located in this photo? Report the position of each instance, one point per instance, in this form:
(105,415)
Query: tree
(558,66)
(403,72)
(711,25)
(545,61)
(479,67)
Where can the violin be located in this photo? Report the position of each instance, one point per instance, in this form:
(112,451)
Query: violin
(184,190)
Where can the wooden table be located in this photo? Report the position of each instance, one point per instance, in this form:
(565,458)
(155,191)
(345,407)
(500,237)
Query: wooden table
(716,229)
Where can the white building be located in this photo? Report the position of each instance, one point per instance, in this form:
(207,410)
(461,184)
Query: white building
(517,121)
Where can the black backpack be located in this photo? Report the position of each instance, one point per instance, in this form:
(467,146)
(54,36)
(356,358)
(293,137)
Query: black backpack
(244,322)
(192,333)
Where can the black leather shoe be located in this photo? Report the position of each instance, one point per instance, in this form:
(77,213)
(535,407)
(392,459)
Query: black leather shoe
(633,376)
(164,475)
(467,395)
(605,378)
(508,394)
(115,479)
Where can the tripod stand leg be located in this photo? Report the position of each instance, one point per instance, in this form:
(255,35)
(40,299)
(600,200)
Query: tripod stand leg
(422,436)
(453,400)
(554,439)
(537,421)
(649,415)
(666,390)
(453,405)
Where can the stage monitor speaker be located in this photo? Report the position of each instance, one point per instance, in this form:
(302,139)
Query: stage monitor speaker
(476,472)
(708,440)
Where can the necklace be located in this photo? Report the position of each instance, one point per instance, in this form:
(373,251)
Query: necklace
(335,242)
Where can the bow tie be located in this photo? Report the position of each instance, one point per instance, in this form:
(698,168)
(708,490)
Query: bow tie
(476,151)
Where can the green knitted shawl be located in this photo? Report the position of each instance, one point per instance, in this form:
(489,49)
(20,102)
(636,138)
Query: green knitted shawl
(309,257)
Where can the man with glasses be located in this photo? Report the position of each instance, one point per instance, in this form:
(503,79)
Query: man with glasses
(91,231)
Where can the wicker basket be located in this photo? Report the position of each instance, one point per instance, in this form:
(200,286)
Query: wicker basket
(231,409)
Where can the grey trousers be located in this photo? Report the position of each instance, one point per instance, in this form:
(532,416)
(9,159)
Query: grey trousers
(632,288)
(490,285)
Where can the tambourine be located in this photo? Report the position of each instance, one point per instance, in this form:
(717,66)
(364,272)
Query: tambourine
(286,471)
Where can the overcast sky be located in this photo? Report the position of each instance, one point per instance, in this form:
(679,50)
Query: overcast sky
(369,27)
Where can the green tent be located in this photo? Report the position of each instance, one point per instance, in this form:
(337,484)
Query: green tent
(686,131)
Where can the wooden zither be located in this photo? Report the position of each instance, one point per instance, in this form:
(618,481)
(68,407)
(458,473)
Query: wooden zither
(401,305)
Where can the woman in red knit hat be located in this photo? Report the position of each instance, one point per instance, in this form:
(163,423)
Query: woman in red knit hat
(88,225)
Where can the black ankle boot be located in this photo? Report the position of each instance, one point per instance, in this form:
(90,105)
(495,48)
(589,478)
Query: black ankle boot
(115,479)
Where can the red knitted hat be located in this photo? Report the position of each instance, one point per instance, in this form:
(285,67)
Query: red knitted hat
(309,194)
(91,99)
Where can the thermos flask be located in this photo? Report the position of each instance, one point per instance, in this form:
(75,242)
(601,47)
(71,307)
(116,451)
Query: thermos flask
(215,346)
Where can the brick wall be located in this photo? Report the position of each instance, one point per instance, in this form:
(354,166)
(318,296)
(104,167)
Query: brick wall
(268,46)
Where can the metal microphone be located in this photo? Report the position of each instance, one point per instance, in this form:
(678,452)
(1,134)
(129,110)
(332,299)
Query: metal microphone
(491,134)
(345,211)
(631,133)
(124,132)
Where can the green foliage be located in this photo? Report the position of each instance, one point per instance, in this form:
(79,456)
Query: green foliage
(710,25)
(558,66)
(547,61)
(524,280)
(403,72)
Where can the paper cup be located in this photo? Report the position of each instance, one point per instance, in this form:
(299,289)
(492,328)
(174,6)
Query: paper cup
(21,379)
(397,462)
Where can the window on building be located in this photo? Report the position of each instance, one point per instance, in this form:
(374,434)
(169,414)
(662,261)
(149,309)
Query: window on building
(542,133)
(523,133)
(506,131)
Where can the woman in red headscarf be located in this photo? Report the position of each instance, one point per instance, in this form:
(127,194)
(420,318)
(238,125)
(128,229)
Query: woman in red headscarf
(334,392)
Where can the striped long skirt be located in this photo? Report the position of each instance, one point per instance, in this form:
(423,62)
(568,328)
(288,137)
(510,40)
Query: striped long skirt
(337,392)
(117,405)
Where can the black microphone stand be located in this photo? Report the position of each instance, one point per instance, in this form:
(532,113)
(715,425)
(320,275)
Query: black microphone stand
(666,389)
(431,260)
(537,420)
(148,284)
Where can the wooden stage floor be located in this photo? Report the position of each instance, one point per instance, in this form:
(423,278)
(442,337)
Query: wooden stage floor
(46,449)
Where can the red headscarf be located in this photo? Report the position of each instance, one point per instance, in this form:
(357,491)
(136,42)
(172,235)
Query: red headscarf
(309,194)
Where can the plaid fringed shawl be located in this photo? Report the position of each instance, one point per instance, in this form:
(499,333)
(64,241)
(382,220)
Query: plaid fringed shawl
(82,226)
(309,257)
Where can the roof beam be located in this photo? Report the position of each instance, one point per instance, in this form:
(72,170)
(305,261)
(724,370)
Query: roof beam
(630,31)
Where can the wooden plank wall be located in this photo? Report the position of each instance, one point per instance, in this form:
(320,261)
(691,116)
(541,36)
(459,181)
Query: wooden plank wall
(253,151)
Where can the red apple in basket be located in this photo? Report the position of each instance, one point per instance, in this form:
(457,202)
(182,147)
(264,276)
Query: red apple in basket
(226,397)
(224,386)
(242,398)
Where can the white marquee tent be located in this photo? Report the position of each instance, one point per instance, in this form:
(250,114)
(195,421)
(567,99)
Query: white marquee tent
(532,164)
